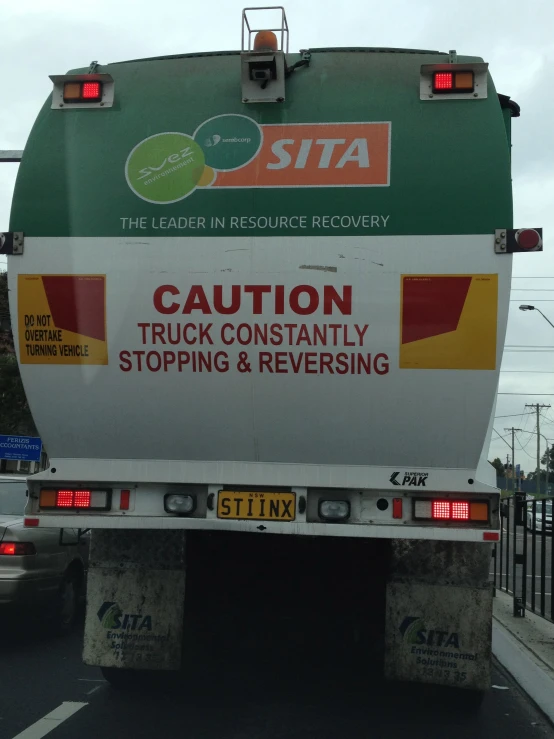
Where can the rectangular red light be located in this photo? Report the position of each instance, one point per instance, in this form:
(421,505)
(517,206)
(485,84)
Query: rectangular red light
(82,499)
(443,81)
(124,500)
(64,499)
(491,536)
(460,510)
(441,509)
(91,91)
(28,522)
(397,507)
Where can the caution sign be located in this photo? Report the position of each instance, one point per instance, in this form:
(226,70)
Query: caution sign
(62,319)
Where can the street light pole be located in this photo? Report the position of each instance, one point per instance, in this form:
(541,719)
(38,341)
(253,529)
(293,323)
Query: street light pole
(532,307)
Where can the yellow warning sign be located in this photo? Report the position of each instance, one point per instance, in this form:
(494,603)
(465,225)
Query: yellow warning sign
(62,319)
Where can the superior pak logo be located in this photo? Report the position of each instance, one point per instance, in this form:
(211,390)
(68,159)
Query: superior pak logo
(233,151)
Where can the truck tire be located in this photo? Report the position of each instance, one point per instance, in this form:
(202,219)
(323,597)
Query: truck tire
(66,608)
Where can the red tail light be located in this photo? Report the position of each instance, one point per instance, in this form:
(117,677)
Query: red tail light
(441,509)
(82,499)
(397,508)
(460,510)
(65,499)
(124,500)
(458,81)
(443,81)
(528,238)
(491,536)
(17,548)
(81,91)
(92,91)
(451,510)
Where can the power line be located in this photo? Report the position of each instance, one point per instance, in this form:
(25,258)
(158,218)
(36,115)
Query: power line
(530,436)
(527,419)
(513,415)
(502,437)
(523,449)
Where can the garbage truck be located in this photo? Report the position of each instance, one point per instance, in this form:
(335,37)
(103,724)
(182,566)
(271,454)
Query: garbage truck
(260,300)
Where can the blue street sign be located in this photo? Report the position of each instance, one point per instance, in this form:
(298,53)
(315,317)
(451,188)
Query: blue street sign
(518,468)
(24,448)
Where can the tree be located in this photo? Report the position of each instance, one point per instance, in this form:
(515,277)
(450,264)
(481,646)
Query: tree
(15,415)
(499,467)
(550,464)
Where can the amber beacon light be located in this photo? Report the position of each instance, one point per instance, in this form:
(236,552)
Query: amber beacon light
(265,41)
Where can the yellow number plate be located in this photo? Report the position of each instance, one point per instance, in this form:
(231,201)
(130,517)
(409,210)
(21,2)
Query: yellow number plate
(256,506)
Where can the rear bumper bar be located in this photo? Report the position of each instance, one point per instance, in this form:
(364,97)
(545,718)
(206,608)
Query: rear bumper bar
(352,530)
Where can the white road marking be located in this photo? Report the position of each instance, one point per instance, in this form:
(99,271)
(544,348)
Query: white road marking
(51,721)
(90,692)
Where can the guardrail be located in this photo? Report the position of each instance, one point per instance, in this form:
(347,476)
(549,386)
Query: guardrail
(523,560)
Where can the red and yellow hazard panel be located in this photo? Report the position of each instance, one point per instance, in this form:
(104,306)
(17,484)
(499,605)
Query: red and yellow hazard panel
(448,322)
(62,319)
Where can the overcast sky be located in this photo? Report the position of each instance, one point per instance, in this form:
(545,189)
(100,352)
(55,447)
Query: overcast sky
(516,38)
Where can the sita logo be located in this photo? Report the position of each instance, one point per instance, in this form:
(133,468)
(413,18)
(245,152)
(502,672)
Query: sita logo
(414,631)
(111,616)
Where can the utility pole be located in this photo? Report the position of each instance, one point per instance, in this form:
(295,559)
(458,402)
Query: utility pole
(513,430)
(537,407)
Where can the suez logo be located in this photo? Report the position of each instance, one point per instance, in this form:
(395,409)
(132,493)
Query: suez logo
(111,616)
(171,159)
(234,151)
(414,631)
(409,479)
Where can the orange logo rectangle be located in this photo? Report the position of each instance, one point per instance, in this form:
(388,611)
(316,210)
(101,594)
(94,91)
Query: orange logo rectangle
(317,155)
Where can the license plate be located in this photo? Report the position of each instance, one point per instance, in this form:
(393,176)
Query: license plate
(256,506)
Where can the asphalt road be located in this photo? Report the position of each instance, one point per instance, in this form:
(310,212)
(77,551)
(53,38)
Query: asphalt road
(246,695)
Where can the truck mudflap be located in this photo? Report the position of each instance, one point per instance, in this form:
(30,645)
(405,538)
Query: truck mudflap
(439,614)
(135,600)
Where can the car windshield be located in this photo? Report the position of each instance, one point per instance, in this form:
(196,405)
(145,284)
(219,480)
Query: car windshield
(539,507)
(12,497)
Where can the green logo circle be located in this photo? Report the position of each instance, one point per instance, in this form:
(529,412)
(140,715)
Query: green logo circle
(165,168)
(229,141)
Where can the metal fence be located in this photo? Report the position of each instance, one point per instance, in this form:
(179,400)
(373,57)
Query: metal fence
(523,559)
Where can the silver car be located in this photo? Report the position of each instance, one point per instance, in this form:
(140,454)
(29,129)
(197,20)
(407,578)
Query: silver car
(538,524)
(42,571)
